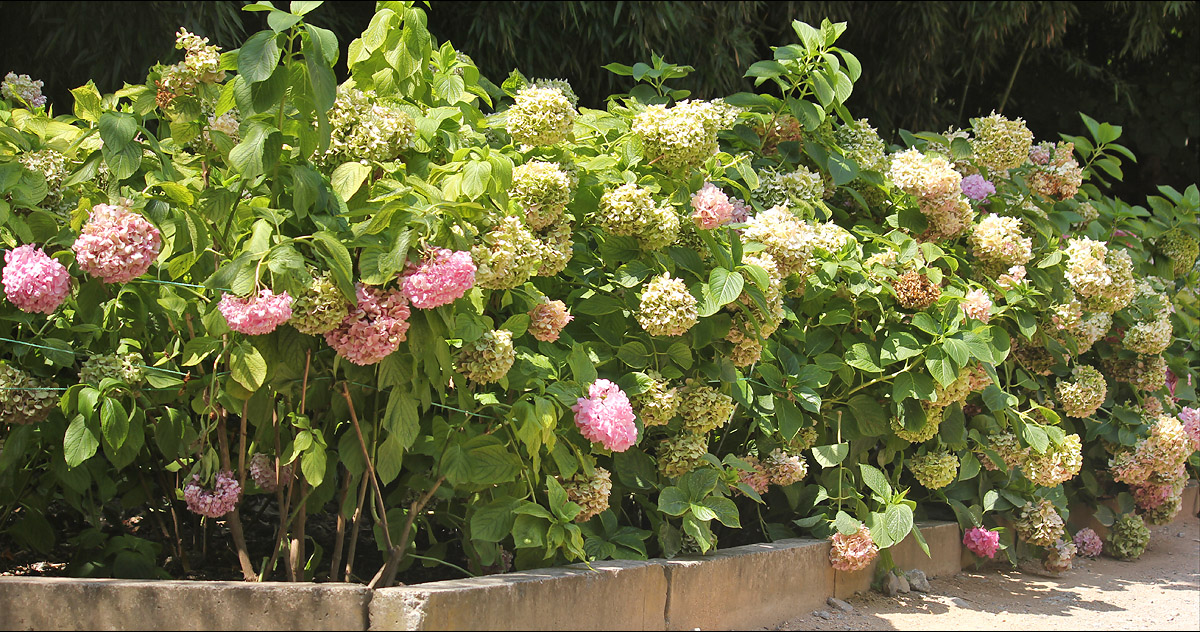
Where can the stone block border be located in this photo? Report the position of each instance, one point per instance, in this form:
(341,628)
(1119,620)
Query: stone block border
(757,585)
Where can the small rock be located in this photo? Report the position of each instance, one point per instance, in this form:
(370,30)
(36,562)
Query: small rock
(895,584)
(822,614)
(960,602)
(917,580)
(839,604)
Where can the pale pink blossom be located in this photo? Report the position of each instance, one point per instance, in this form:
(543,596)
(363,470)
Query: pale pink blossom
(256,315)
(977,187)
(852,552)
(116,245)
(375,329)
(977,305)
(606,416)
(33,281)
(711,207)
(214,503)
(547,319)
(1087,543)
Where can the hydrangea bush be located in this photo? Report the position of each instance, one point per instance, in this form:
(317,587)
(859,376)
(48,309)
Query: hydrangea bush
(500,328)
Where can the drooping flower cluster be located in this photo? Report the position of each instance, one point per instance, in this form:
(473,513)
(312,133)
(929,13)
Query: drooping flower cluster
(365,129)
(1056,465)
(863,145)
(933,420)
(509,257)
(1127,538)
(554,248)
(1102,278)
(1010,450)
(488,358)
(605,416)
(1146,373)
(1055,174)
(790,188)
(1180,248)
(440,279)
(320,308)
(934,470)
(977,187)
(787,238)
(542,190)
(201,64)
(982,542)
(804,439)
(684,135)
(1150,336)
(33,281)
(374,328)
(126,367)
(1087,543)
(215,502)
(667,307)
(938,188)
(1059,556)
(785,468)
(256,314)
(1082,395)
(852,552)
(711,207)
(1167,447)
(1000,144)
(703,408)
(978,305)
(590,493)
(540,116)
(658,403)
(24,399)
(758,478)
(681,454)
(116,245)
(915,291)
(547,319)
(630,210)
(1040,525)
(262,470)
(24,88)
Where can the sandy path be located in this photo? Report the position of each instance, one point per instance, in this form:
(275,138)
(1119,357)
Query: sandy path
(1159,591)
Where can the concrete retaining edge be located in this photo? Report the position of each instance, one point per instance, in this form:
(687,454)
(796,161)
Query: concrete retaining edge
(746,586)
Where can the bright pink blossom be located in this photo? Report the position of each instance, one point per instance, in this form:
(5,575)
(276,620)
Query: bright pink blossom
(33,281)
(375,329)
(711,206)
(116,244)
(442,278)
(982,542)
(218,501)
(255,315)
(606,416)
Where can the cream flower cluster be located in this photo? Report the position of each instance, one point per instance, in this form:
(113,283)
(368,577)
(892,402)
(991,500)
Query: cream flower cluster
(547,320)
(789,240)
(1057,465)
(540,116)
(682,136)
(1055,174)
(630,210)
(1102,278)
(933,420)
(998,240)
(703,408)
(1083,394)
(657,404)
(542,190)
(1059,556)
(978,305)
(1000,143)
(863,145)
(681,454)
(488,358)
(53,167)
(934,470)
(320,308)
(785,468)
(1040,524)
(363,129)
(24,88)
(590,493)
(667,308)
(1180,248)
(509,256)
(126,367)
(554,248)
(1151,336)
(938,188)
(201,64)
(790,188)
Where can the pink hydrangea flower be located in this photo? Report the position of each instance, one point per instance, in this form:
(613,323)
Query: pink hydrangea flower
(741,212)
(1087,543)
(375,329)
(33,281)
(1151,496)
(977,305)
(1190,417)
(442,278)
(546,320)
(852,552)
(982,542)
(255,315)
(977,187)
(214,503)
(116,245)
(606,416)
(711,207)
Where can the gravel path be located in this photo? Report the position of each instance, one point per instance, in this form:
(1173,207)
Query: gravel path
(1159,591)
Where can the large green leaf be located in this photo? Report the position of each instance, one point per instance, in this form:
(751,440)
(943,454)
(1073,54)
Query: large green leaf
(725,286)
(79,444)
(831,455)
(258,57)
(247,366)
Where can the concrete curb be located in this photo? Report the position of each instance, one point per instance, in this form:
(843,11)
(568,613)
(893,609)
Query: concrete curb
(746,586)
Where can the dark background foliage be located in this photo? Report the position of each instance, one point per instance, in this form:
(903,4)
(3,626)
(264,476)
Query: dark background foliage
(926,65)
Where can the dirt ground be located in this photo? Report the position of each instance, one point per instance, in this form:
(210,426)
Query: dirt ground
(1159,591)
